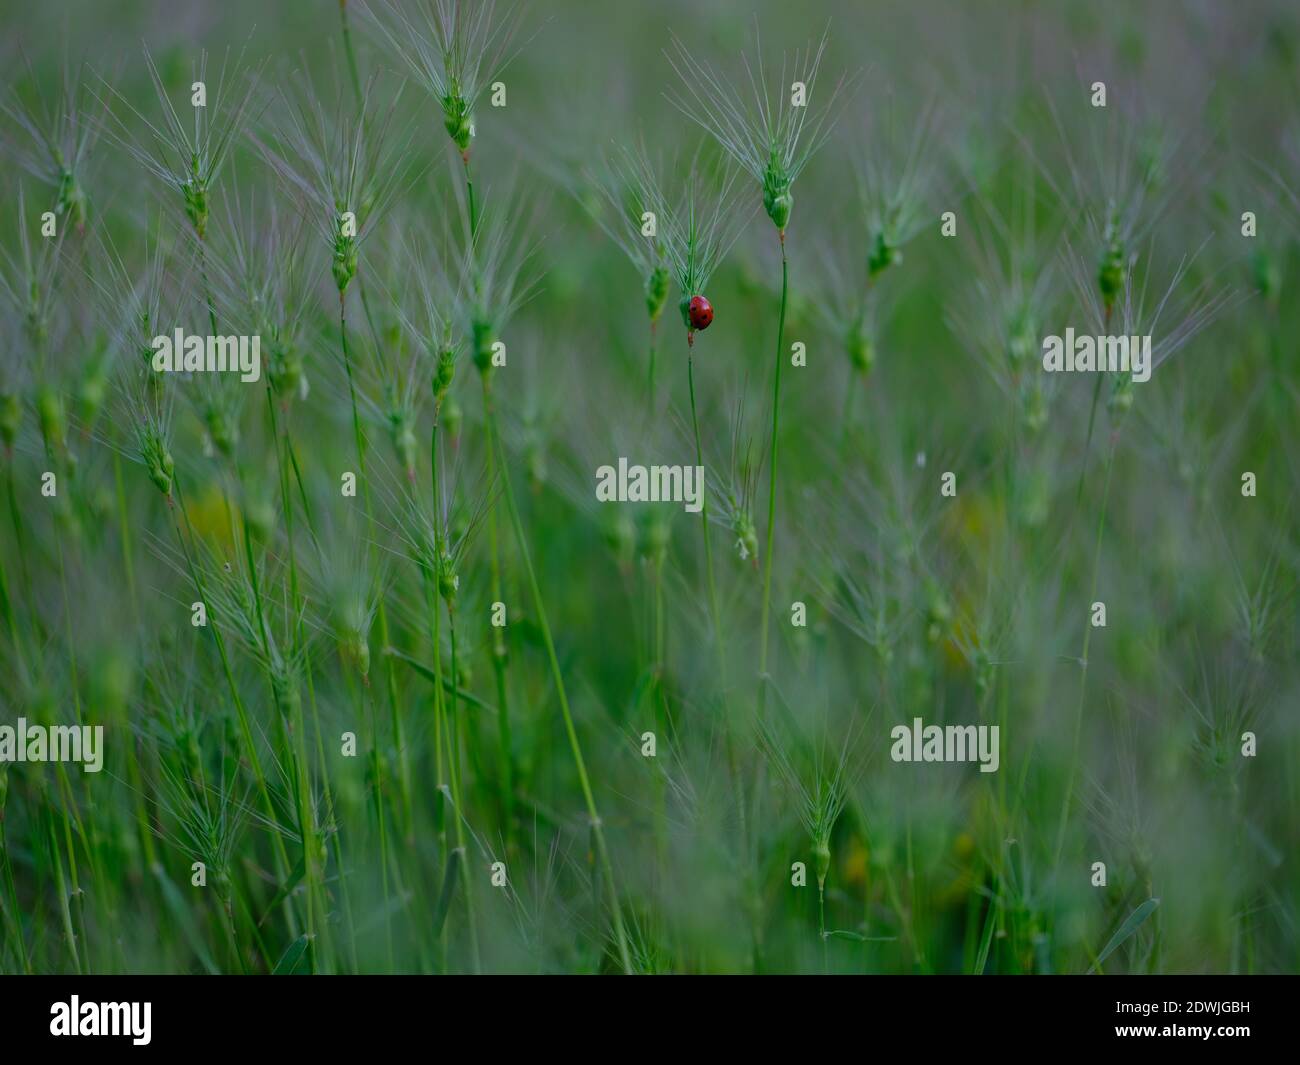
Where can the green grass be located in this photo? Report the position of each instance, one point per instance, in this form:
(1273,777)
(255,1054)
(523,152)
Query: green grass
(373,774)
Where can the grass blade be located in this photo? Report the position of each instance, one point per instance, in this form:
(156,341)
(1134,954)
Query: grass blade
(1130,925)
(290,959)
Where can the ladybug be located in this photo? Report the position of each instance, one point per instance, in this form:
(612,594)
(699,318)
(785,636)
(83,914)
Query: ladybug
(700,312)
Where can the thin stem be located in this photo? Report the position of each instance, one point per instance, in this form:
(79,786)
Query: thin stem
(771,488)
(498,638)
(440,739)
(1083,660)
(650,391)
(709,552)
(403,769)
(558,676)
(351,54)
(821,918)
(457,725)
(469,193)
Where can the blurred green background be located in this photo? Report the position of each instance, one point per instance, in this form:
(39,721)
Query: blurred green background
(225,744)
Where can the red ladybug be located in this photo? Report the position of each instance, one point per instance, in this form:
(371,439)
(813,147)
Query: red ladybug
(700,311)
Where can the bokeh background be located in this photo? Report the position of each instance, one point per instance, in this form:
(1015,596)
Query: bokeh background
(964,610)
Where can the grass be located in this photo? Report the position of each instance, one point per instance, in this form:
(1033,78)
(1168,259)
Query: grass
(458,716)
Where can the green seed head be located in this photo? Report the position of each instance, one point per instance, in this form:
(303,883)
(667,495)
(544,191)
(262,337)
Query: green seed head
(1033,407)
(1021,334)
(822,860)
(655,536)
(284,368)
(404,444)
(34,323)
(457,119)
(484,335)
(71,201)
(344,264)
(861,349)
(1267,275)
(778,201)
(222,429)
(52,418)
(1112,270)
(1121,395)
(1110,276)
(884,254)
(443,374)
(938,616)
(620,535)
(195,190)
(448,579)
(157,459)
(356,648)
(656,292)
(746,536)
(11,417)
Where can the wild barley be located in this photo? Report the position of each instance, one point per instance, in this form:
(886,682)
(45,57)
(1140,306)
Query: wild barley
(498,273)
(453,49)
(345,174)
(260,281)
(27,284)
(1013,299)
(188,157)
(1139,316)
(763,134)
(628,183)
(1171,318)
(819,782)
(151,421)
(343,171)
(772,138)
(850,310)
(735,493)
(209,821)
(896,184)
(438,541)
(56,139)
(699,229)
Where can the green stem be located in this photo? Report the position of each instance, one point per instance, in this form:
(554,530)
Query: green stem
(714,610)
(558,676)
(1083,660)
(457,725)
(469,193)
(650,393)
(403,767)
(771,489)
(351,54)
(504,742)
